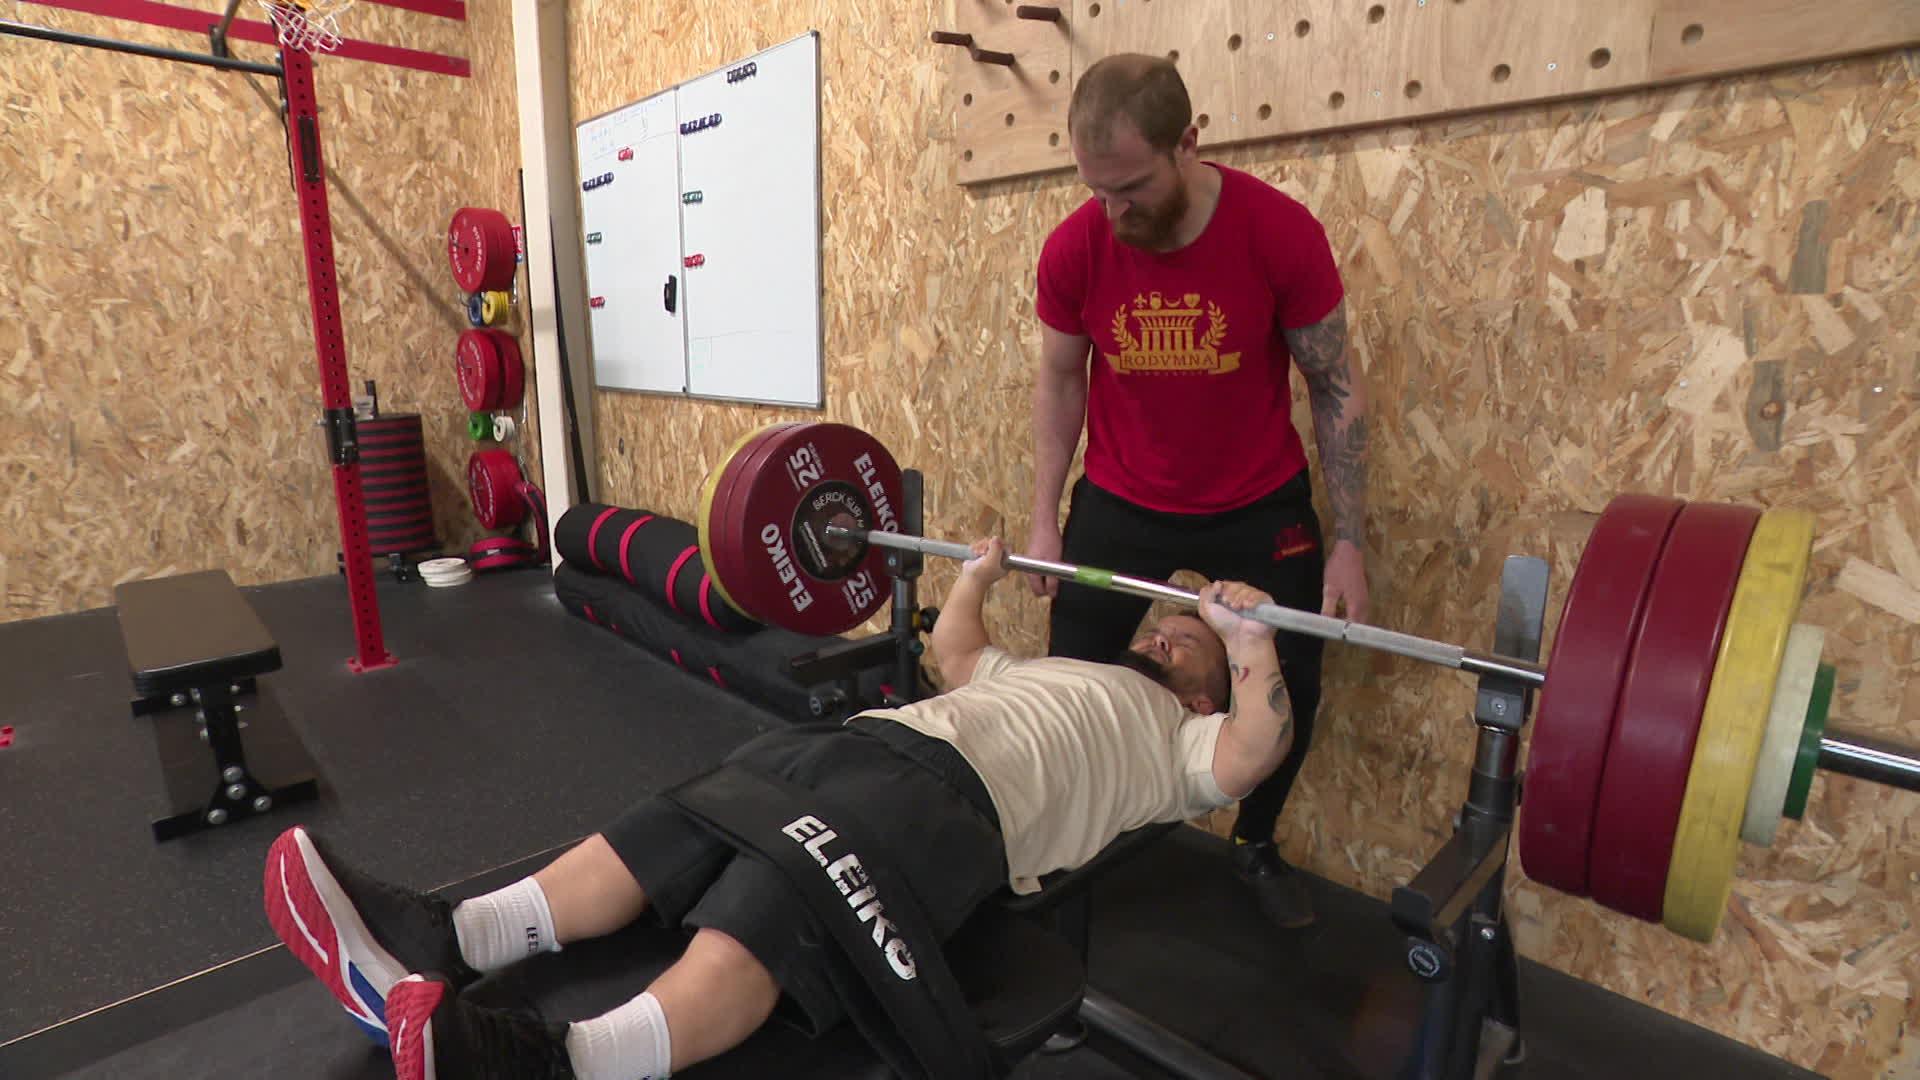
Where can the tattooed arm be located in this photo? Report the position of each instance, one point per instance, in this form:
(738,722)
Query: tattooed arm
(1259,728)
(1338,397)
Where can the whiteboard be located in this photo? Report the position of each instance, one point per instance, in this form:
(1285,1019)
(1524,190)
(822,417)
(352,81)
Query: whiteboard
(736,226)
(632,244)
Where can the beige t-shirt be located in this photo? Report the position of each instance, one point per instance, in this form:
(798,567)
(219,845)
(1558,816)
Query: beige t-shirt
(1073,753)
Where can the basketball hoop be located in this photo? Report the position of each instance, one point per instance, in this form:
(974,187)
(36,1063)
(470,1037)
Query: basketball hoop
(307,25)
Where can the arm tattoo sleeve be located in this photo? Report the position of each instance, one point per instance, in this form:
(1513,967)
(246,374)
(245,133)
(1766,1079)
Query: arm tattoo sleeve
(1339,422)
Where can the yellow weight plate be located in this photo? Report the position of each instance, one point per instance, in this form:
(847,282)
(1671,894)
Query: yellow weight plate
(703,517)
(1734,722)
(1768,796)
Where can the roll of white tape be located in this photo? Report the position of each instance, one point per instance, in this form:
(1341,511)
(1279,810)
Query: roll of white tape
(503,427)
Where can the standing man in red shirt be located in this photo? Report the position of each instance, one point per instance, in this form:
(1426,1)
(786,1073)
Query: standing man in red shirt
(1172,304)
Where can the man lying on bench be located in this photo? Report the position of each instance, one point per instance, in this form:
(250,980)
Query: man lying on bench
(1020,768)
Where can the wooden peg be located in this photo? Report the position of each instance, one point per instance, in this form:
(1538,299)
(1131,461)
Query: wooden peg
(1040,12)
(980,55)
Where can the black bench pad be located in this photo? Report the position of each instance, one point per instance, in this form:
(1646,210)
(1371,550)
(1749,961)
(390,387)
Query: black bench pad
(191,630)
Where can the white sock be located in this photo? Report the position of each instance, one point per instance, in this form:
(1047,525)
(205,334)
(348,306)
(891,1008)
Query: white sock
(629,1043)
(504,926)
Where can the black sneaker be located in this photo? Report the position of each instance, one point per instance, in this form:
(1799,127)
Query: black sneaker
(439,1036)
(1282,895)
(357,935)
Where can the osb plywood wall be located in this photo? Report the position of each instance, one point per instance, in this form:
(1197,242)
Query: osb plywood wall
(1707,290)
(157,377)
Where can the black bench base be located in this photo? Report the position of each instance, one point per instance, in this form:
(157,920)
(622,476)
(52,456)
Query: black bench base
(206,788)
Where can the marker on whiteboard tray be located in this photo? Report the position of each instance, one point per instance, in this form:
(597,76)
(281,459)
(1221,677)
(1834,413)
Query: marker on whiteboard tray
(711,120)
(596,182)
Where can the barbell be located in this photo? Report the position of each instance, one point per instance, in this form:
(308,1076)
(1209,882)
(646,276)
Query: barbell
(1682,708)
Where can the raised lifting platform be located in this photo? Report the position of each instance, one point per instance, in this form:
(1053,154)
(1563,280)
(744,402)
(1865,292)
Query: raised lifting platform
(528,728)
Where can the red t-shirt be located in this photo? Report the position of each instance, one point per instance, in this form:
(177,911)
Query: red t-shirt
(1189,409)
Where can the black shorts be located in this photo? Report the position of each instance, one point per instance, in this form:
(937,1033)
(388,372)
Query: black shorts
(920,802)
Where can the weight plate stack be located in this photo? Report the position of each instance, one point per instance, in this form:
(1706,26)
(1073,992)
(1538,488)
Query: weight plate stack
(393,476)
(480,369)
(492,476)
(771,511)
(1734,723)
(1574,725)
(480,249)
(1661,697)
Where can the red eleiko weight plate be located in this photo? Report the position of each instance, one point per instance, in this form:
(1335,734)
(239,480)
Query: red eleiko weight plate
(1661,696)
(491,476)
(807,478)
(728,547)
(513,370)
(1575,722)
(477,364)
(480,249)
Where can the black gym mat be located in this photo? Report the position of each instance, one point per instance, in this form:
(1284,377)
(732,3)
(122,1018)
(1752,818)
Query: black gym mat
(507,728)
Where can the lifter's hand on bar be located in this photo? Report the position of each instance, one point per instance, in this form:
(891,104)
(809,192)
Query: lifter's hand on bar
(989,562)
(1221,604)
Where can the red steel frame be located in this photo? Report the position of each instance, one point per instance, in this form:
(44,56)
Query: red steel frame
(330,348)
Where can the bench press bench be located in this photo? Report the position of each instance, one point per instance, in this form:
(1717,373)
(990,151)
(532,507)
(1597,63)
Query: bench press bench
(196,648)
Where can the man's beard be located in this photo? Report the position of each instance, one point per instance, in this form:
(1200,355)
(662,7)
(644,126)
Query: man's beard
(1150,666)
(1154,229)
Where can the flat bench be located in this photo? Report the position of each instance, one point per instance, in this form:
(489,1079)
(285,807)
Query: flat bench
(196,648)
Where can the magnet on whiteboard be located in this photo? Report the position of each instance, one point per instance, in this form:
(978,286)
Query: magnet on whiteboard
(597,302)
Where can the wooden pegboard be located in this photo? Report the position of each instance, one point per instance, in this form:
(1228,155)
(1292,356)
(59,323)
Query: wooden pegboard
(1263,70)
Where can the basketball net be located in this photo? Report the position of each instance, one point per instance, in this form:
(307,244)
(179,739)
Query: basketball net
(307,25)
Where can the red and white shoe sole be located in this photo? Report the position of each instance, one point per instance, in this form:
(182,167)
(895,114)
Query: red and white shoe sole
(319,926)
(410,1020)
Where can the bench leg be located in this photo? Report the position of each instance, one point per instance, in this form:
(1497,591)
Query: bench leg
(209,779)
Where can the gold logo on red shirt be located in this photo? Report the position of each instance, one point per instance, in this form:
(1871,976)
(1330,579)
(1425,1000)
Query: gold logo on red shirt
(1169,340)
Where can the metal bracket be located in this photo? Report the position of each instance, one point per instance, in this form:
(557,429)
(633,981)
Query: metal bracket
(343,439)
